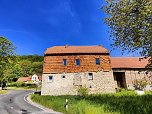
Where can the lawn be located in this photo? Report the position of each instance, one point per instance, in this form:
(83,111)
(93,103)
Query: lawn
(17,88)
(125,102)
(3,91)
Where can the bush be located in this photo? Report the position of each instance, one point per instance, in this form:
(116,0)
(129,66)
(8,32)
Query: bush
(83,91)
(30,85)
(21,84)
(140,84)
(16,84)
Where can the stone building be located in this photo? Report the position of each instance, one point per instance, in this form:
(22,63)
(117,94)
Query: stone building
(128,69)
(66,68)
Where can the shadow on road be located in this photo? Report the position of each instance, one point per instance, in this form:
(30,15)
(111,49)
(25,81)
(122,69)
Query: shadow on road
(23,111)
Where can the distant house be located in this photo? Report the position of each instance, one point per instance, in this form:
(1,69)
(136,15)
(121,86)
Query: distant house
(30,79)
(24,79)
(66,68)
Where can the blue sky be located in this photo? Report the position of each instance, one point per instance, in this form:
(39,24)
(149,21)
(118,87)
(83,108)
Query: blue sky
(34,25)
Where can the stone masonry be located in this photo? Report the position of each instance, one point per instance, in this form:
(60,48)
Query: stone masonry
(110,73)
(102,82)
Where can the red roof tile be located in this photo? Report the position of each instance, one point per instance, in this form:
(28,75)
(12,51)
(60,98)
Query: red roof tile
(128,62)
(76,49)
(24,79)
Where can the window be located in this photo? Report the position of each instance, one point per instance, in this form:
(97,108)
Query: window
(33,78)
(97,61)
(109,61)
(63,76)
(90,76)
(50,78)
(64,62)
(78,62)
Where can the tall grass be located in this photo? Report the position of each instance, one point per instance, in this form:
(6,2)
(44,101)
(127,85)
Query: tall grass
(125,102)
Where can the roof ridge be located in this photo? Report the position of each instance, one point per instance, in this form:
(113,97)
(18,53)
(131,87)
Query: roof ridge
(78,46)
(126,57)
(76,49)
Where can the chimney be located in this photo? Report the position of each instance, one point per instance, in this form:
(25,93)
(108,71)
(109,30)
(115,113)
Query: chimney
(66,45)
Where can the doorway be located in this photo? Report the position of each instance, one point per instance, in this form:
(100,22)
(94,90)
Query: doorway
(120,78)
(77,81)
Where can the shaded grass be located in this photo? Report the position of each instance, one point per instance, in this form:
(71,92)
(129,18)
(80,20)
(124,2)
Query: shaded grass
(125,102)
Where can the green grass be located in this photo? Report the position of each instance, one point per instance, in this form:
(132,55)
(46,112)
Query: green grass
(125,102)
(3,91)
(21,88)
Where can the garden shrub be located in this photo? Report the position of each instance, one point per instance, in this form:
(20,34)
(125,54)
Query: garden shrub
(83,91)
(140,84)
(21,84)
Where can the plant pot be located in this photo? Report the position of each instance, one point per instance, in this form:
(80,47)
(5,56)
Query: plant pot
(140,92)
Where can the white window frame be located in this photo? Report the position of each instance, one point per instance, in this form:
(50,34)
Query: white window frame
(90,77)
(49,79)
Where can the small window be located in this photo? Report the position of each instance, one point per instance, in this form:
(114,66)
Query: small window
(109,61)
(50,78)
(97,61)
(63,76)
(64,62)
(90,76)
(78,62)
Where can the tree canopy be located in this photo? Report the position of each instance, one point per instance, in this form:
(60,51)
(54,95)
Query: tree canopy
(130,23)
(14,66)
(6,47)
(6,51)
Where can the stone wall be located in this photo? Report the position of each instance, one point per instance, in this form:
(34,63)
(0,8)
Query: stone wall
(103,82)
(132,74)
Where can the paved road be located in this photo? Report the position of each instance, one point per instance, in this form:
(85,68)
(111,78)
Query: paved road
(14,103)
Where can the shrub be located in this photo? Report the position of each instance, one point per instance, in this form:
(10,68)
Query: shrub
(83,91)
(30,85)
(140,84)
(21,84)
(16,84)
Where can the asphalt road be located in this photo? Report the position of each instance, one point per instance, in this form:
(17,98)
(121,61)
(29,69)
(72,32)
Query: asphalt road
(14,103)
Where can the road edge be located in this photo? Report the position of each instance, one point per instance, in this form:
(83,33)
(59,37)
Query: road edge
(28,100)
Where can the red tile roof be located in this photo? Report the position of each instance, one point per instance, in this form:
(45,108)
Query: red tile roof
(128,62)
(76,49)
(24,79)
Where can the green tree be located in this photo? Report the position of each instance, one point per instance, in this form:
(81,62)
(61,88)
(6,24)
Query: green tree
(17,71)
(26,67)
(36,68)
(130,23)
(6,51)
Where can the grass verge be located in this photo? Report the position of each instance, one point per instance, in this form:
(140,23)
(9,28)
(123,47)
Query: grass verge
(125,102)
(22,88)
(3,91)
